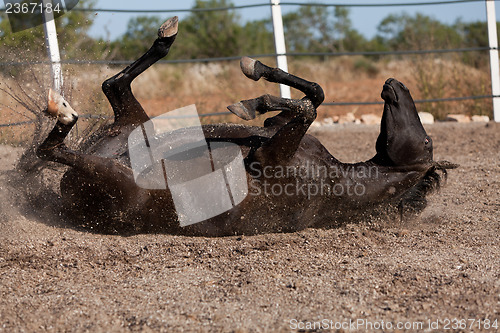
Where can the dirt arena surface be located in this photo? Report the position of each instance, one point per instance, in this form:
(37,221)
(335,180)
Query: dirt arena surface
(441,268)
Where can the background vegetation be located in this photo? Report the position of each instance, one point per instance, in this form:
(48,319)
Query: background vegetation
(308,29)
(225,33)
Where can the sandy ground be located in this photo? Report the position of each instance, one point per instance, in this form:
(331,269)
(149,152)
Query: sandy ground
(443,266)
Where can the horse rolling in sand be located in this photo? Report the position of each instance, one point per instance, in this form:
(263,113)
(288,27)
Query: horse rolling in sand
(99,190)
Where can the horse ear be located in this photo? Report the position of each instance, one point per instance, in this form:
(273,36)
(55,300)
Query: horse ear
(54,101)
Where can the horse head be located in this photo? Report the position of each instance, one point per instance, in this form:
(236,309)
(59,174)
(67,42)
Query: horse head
(402,140)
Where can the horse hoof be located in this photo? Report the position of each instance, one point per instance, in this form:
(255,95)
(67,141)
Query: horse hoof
(242,111)
(59,108)
(169,28)
(252,68)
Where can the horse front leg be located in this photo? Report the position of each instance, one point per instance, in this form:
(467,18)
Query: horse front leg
(98,180)
(53,147)
(294,120)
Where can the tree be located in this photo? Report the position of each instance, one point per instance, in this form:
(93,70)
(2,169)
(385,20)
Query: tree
(316,29)
(207,34)
(257,37)
(341,26)
(309,29)
(141,31)
(29,44)
(419,32)
(474,34)
(23,45)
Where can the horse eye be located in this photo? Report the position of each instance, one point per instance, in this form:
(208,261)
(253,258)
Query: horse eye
(426,141)
(64,104)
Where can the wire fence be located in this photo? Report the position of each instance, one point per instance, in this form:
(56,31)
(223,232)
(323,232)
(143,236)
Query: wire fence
(285,3)
(268,55)
(274,55)
(417,101)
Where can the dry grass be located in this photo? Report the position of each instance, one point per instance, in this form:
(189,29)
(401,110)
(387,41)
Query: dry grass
(213,86)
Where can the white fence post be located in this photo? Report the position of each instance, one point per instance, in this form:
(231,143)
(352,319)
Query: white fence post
(279,43)
(49,27)
(494,67)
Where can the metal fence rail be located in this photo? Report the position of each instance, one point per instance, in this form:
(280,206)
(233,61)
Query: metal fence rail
(214,114)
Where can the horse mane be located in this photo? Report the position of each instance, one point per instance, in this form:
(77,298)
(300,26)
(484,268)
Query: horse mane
(414,199)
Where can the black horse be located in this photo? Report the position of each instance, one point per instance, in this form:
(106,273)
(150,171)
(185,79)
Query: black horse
(293,181)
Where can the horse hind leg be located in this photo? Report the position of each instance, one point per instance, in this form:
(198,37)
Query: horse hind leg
(126,108)
(291,125)
(249,109)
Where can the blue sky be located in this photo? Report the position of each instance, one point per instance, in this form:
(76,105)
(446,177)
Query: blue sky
(365,19)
